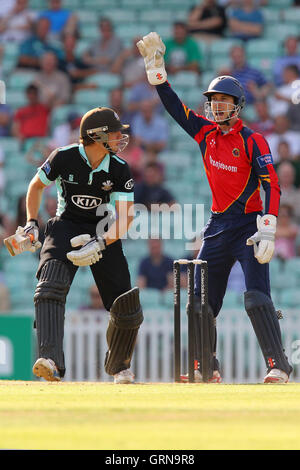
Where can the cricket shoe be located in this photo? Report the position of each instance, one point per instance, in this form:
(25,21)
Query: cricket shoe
(124,377)
(216,377)
(276,376)
(47,369)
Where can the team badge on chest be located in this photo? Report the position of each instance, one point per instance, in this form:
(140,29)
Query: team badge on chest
(236,152)
(107,185)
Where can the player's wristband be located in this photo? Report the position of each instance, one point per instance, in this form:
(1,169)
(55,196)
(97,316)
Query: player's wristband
(33,220)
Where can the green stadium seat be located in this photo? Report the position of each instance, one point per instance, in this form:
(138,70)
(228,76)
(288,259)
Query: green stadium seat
(121,15)
(268,48)
(290,298)
(292,267)
(98,6)
(86,17)
(291,15)
(137,4)
(91,98)
(15,98)
(156,16)
(185,80)
(232,300)
(271,15)
(150,298)
(20,79)
(89,31)
(132,30)
(222,47)
(106,81)
(9,144)
(281,31)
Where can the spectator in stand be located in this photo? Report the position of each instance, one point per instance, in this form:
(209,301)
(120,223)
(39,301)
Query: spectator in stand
(284,154)
(236,280)
(5,120)
(103,52)
(2,173)
(286,233)
(245,21)
(68,132)
(130,65)
(149,129)
(284,95)
(263,124)
(134,156)
(207,21)
(61,20)
(16,26)
(6,7)
(151,189)
(95,300)
(182,51)
(54,85)
(5,301)
(140,92)
(32,49)
(117,103)
(289,193)
(31,120)
(281,133)
(156,270)
(72,65)
(291,56)
(253,81)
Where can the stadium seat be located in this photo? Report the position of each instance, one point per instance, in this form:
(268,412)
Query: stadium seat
(280,30)
(132,30)
(9,144)
(91,98)
(150,298)
(20,79)
(184,80)
(121,16)
(105,81)
(267,47)
(290,298)
(291,15)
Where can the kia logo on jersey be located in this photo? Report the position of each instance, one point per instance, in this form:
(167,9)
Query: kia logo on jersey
(86,202)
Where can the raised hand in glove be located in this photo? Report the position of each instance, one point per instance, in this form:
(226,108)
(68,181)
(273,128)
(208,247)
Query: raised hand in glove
(263,240)
(90,251)
(153,49)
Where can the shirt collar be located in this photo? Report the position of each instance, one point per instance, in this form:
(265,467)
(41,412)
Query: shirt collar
(234,129)
(104,165)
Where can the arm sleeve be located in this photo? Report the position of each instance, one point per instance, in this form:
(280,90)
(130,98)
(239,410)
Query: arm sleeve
(262,163)
(194,124)
(123,188)
(49,171)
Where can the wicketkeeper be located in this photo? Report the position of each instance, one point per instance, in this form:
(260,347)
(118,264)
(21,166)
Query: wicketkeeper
(85,232)
(237,162)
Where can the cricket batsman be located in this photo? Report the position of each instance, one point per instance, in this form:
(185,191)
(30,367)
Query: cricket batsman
(88,176)
(237,162)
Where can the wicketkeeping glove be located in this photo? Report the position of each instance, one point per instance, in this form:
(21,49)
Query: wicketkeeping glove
(91,250)
(153,49)
(263,240)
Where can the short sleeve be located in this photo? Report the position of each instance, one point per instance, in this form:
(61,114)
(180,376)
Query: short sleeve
(123,186)
(49,171)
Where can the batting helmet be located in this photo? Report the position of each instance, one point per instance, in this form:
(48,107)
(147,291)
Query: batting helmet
(97,123)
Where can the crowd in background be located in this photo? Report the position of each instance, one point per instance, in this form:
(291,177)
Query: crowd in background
(47,41)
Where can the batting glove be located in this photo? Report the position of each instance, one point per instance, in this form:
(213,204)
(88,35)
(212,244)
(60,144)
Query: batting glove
(263,240)
(91,251)
(31,230)
(153,49)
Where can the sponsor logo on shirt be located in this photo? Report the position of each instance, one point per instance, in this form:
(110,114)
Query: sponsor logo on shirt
(129,184)
(86,202)
(46,167)
(222,166)
(264,160)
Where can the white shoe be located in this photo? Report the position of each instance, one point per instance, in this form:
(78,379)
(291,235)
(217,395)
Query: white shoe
(124,377)
(276,376)
(47,369)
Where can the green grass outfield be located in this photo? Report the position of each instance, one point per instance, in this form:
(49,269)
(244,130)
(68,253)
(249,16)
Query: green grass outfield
(69,415)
